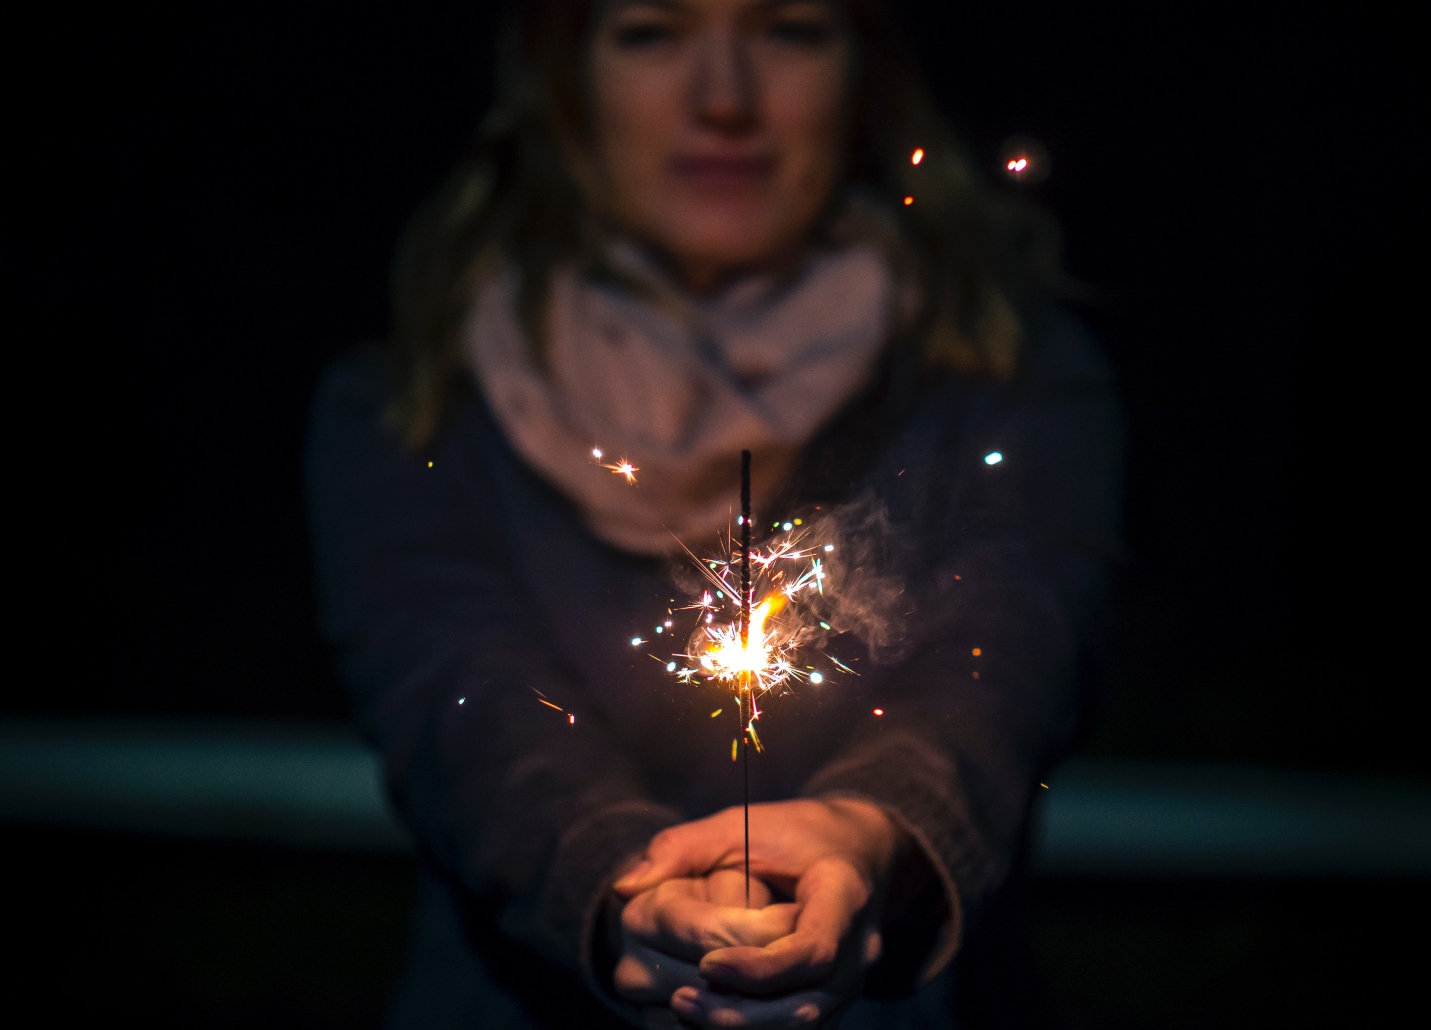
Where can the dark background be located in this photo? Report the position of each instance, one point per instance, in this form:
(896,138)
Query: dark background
(208,197)
(216,193)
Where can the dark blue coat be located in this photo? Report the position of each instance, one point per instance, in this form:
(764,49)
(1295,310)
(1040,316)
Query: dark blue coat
(456,583)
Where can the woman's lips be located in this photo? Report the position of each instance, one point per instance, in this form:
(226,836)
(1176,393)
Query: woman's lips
(723,172)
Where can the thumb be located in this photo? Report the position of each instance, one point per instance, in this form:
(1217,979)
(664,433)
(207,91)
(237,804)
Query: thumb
(690,849)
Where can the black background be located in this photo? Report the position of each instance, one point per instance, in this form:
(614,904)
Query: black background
(201,207)
(209,197)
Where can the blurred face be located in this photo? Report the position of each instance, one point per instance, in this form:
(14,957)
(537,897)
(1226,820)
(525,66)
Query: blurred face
(719,126)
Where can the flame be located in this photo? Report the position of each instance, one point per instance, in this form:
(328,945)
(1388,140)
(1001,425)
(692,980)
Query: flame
(726,658)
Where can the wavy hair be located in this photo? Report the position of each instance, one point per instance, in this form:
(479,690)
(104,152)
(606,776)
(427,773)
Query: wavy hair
(522,196)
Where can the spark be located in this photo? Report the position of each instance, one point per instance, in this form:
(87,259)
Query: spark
(637,641)
(993,458)
(621,467)
(978,651)
(571,719)
(789,578)
(879,711)
(550,705)
(1018,164)
(917,156)
(908,201)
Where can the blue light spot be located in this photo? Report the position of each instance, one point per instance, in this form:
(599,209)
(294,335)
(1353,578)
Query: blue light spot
(824,625)
(461,700)
(670,666)
(993,458)
(815,677)
(635,641)
(788,526)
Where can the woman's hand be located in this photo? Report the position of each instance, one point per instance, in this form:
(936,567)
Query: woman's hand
(668,928)
(834,857)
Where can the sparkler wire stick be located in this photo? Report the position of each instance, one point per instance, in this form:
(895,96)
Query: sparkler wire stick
(745,640)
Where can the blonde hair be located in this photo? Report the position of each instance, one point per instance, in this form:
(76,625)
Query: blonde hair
(519,199)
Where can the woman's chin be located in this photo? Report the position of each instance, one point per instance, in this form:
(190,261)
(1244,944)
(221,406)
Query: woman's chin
(720,240)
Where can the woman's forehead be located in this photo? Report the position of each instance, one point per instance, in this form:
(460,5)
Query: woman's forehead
(715,6)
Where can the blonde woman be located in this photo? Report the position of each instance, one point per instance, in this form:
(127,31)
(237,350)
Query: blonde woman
(689,228)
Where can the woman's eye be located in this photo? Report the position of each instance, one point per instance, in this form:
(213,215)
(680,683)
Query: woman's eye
(802,32)
(636,35)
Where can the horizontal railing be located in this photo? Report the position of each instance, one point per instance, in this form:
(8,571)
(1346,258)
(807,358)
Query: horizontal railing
(316,785)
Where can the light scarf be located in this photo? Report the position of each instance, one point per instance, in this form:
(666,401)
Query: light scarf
(678,386)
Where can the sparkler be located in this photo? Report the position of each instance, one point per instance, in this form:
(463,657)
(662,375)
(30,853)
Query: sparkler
(758,613)
(745,638)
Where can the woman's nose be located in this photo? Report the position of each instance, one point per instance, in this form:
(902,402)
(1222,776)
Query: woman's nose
(722,86)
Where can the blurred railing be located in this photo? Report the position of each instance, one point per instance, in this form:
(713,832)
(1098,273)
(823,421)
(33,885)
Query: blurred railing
(314,785)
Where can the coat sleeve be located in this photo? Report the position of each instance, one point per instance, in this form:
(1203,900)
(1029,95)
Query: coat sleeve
(524,809)
(991,692)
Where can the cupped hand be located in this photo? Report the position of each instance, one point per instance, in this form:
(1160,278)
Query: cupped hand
(668,928)
(833,857)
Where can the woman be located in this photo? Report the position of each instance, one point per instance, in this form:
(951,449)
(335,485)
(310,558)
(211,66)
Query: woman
(693,227)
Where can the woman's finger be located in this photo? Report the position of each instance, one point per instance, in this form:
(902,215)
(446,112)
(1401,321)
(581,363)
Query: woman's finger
(675,919)
(689,849)
(648,977)
(830,898)
(802,1009)
(727,887)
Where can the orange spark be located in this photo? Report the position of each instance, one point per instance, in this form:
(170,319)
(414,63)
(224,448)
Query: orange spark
(978,651)
(621,467)
(917,156)
(879,711)
(908,201)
